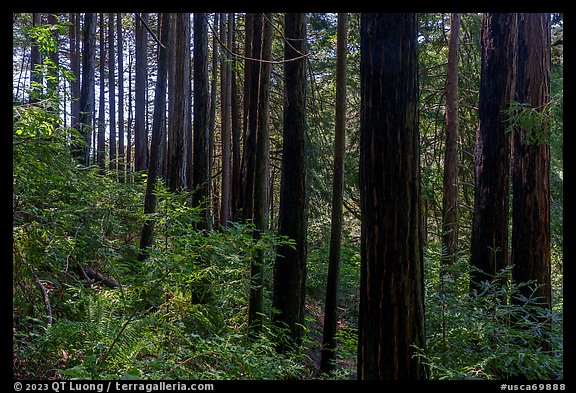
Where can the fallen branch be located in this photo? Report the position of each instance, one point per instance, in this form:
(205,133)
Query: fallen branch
(89,273)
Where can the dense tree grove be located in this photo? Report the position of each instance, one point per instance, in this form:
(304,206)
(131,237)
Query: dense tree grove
(370,196)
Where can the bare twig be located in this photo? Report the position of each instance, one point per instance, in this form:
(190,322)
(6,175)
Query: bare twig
(249,58)
(149,30)
(46,300)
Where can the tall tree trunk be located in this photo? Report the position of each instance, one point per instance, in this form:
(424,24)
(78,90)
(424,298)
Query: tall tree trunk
(236,124)
(36,60)
(331,307)
(129,129)
(112,93)
(158,136)
(225,71)
(74,37)
(290,265)
(201,165)
(253,46)
(255,306)
(121,154)
(140,132)
(450,194)
(489,239)
(213,97)
(52,84)
(531,166)
(87,99)
(391,314)
(101,147)
(180,115)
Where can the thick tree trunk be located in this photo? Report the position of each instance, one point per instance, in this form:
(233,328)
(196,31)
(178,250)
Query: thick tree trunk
(332,287)
(450,194)
(290,266)
(158,136)
(391,319)
(201,165)
(489,239)
(180,113)
(140,132)
(531,165)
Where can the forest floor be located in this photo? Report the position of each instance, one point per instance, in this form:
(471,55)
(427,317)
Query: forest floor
(313,352)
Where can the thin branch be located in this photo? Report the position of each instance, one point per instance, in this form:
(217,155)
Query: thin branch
(46,300)
(245,57)
(149,30)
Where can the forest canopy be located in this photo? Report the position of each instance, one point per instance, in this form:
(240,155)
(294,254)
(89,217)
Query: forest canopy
(200,196)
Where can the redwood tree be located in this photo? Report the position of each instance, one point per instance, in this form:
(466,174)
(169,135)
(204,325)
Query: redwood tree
(112,92)
(260,206)
(332,286)
(531,165)
(140,132)
(119,37)
(391,312)
(87,99)
(158,135)
(201,165)
(450,194)
(101,146)
(489,239)
(290,266)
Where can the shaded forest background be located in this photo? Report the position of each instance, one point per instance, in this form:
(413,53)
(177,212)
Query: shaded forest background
(117,276)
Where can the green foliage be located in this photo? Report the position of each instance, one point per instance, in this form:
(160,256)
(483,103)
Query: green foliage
(533,124)
(487,335)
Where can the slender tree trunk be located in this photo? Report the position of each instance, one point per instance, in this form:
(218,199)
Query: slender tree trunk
(450,194)
(74,37)
(255,306)
(236,124)
(87,99)
(290,266)
(112,93)
(121,154)
(391,314)
(158,137)
(213,97)
(201,166)
(129,132)
(36,60)
(140,132)
(225,88)
(52,85)
(489,240)
(101,147)
(252,48)
(332,287)
(531,166)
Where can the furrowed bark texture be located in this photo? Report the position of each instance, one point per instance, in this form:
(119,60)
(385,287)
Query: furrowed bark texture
(489,239)
(531,166)
(290,265)
(391,288)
